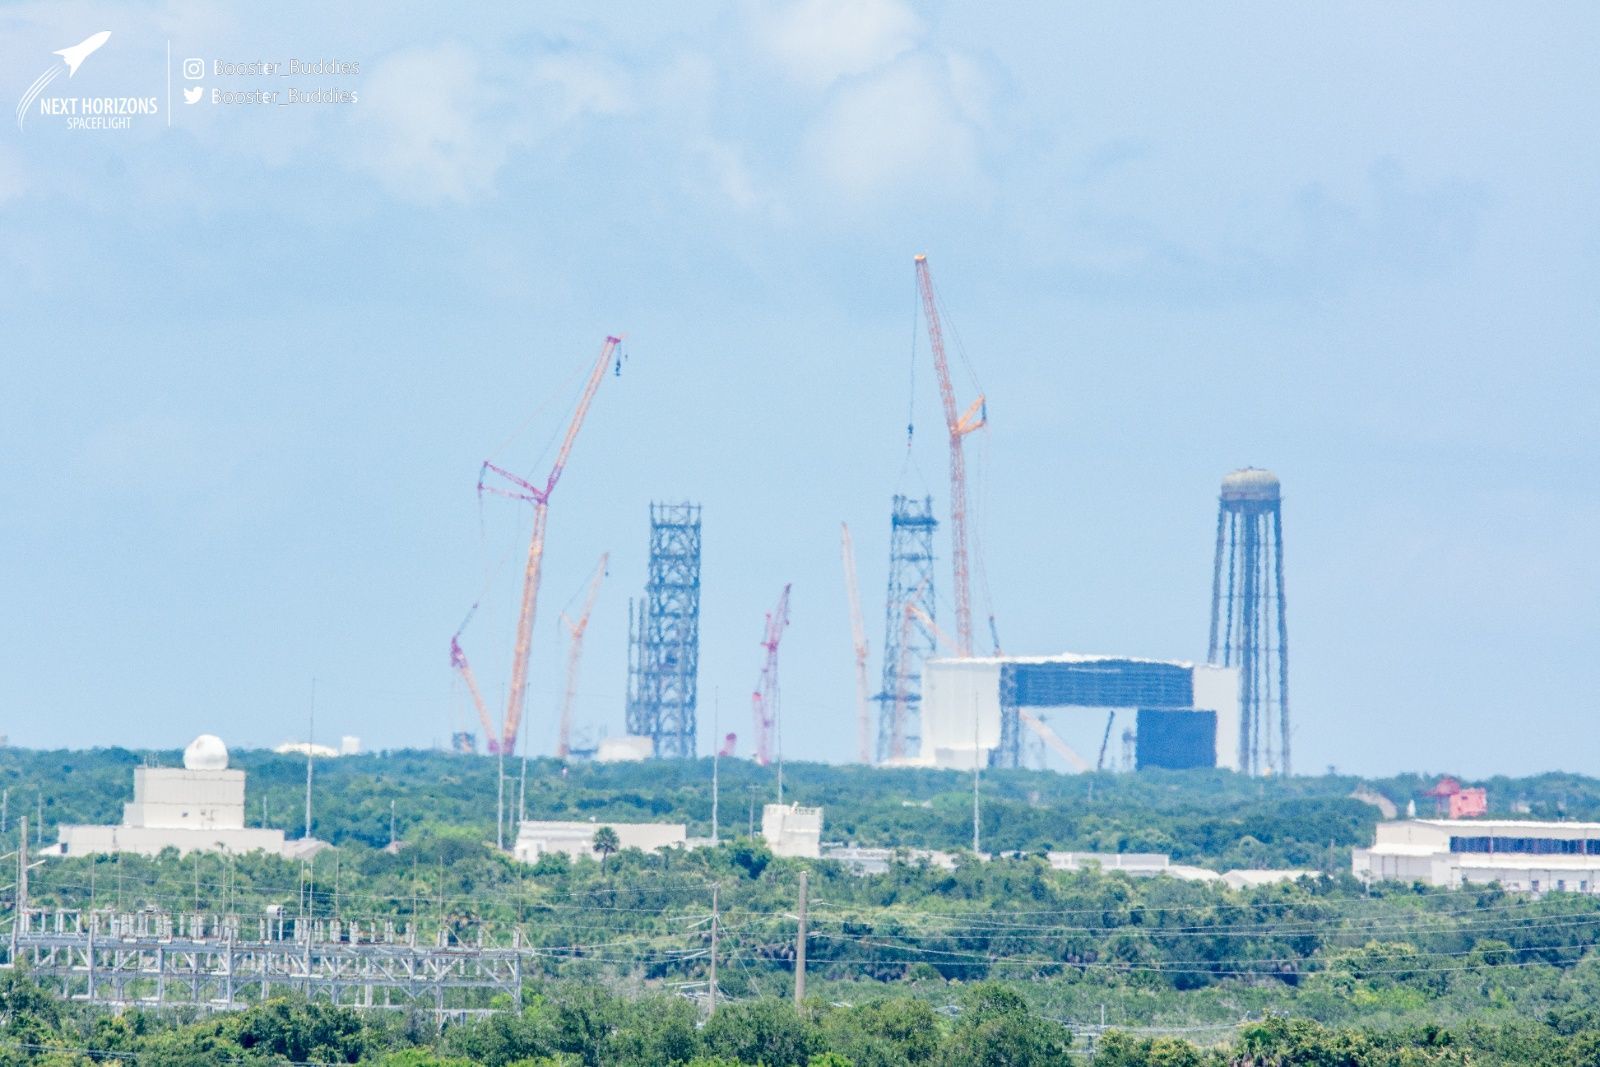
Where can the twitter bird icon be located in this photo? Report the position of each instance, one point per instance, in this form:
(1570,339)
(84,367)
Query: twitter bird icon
(192,96)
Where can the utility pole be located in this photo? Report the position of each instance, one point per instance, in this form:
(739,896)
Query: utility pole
(500,800)
(716,917)
(311,733)
(522,786)
(716,761)
(975,822)
(800,951)
(22,884)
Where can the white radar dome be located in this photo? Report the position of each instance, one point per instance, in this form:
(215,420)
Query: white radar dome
(206,753)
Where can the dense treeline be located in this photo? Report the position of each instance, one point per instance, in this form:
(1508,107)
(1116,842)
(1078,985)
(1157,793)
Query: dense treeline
(581,1025)
(1210,818)
(1075,947)
(1149,951)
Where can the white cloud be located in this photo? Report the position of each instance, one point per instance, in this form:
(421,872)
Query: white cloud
(817,42)
(903,126)
(12,183)
(727,176)
(441,122)
(436,128)
(579,85)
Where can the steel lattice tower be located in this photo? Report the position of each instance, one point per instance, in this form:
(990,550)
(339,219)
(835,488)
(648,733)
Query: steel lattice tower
(1248,630)
(664,635)
(908,639)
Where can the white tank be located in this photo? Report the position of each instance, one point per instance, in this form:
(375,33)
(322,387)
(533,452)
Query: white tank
(206,753)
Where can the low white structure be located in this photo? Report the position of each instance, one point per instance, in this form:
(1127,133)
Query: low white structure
(791,830)
(629,749)
(305,748)
(1132,863)
(859,860)
(198,807)
(1524,856)
(576,839)
(1250,877)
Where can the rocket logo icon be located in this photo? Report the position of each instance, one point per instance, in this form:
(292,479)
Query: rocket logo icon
(72,57)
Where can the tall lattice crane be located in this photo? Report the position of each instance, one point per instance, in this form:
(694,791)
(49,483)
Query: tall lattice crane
(764,700)
(902,670)
(575,630)
(516,697)
(959,425)
(858,638)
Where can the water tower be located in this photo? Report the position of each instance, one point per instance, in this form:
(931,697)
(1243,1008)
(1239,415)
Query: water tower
(1248,630)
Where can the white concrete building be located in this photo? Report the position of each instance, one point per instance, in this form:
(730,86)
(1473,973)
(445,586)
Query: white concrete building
(198,807)
(791,830)
(1524,856)
(576,839)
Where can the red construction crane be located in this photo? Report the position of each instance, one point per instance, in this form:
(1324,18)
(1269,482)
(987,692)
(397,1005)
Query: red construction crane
(958,425)
(575,630)
(858,638)
(764,700)
(458,660)
(516,697)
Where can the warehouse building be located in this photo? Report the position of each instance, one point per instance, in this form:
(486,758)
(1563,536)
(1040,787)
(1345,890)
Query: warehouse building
(1530,857)
(984,710)
(575,840)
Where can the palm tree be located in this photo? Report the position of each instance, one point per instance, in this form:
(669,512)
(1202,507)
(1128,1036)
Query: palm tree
(605,843)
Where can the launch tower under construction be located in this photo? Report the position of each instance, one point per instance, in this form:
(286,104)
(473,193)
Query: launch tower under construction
(664,635)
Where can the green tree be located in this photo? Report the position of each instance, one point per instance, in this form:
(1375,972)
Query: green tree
(997,1029)
(606,842)
(767,1032)
(892,1032)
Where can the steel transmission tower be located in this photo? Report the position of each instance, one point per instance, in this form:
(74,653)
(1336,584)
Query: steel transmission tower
(1248,628)
(664,635)
(908,638)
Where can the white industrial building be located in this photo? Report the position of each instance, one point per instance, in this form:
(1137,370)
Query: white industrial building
(1533,857)
(791,830)
(198,807)
(576,839)
(1186,714)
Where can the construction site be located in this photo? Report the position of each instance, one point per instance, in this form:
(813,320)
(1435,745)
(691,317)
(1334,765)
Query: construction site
(943,692)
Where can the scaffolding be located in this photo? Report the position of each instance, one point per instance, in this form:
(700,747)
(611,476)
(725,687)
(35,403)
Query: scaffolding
(909,636)
(664,635)
(220,962)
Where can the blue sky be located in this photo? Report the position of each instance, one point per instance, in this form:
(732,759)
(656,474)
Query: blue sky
(254,359)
